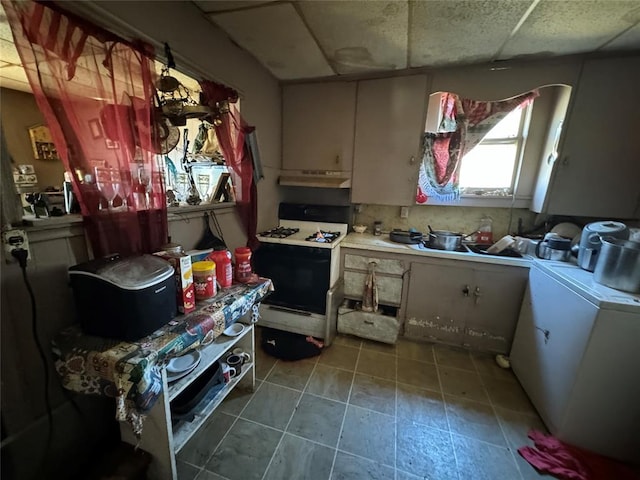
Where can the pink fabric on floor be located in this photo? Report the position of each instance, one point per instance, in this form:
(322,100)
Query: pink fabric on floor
(567,462)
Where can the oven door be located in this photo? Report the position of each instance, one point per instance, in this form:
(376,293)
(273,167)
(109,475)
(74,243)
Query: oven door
(300,275)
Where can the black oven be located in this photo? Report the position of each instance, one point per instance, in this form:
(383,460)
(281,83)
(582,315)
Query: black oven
(300,275)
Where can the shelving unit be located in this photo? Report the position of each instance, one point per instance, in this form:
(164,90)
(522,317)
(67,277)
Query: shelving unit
(162,439)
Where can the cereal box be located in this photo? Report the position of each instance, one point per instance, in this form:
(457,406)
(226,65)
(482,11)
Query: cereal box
(184,280)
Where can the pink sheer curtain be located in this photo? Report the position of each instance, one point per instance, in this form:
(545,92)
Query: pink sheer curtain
(96,94)
(231,135)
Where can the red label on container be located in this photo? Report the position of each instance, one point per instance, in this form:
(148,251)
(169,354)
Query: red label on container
(204,285)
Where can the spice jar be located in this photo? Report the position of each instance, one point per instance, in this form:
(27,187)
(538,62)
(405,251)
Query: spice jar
(204,274)
(224,270)
(243,271)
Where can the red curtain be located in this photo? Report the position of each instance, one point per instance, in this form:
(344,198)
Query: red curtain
(231,135)
(96,94)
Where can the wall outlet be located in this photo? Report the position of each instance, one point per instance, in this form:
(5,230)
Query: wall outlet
(404,212)
(14,240)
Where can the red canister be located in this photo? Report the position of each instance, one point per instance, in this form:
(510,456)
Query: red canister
(204,274)
(224,271)
(243,271)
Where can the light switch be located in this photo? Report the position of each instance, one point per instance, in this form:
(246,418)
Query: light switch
(404,212)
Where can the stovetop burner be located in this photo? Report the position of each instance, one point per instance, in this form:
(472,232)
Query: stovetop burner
(323,237)
(279,232)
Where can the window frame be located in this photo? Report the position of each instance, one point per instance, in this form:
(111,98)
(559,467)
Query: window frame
(520,141)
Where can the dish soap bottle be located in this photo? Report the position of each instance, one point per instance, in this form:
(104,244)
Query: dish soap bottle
(485,234)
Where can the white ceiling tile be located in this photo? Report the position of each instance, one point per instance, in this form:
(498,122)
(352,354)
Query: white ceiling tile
(359,36)
(457,32)
(629,40)
(566,27)
(8,52)
(221,5)
(278,38)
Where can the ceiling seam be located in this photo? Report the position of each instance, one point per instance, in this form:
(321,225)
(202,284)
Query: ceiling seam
(515,30)
(409,18)
(304,21)
(615,37)
(241,9)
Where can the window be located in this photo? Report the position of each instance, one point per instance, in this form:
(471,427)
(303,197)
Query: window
(491,167)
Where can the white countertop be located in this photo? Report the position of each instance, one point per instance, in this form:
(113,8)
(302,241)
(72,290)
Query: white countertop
(381,243)
(582,282)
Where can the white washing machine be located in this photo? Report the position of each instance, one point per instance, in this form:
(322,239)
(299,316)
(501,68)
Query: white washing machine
(576,352)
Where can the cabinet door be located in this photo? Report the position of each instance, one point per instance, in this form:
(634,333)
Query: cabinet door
(496,296)
(389,125)
(317,126)
(598,169)
(438,302)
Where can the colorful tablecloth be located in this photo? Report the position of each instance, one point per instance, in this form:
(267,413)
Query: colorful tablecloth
(132,371)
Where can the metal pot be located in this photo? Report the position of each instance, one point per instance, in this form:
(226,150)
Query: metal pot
(445,240)
(618,264)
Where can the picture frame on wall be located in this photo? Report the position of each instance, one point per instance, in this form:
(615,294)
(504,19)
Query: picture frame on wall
(42,143)
(111,144)
(95,128)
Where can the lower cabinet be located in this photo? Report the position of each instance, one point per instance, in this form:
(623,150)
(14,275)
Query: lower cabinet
(471,304)
(168,428)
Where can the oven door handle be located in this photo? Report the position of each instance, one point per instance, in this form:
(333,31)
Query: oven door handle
(287,309)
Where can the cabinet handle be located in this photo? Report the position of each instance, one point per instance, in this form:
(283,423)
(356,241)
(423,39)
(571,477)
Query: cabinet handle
(477,294)
(465,291)
(369,322)
(412,160)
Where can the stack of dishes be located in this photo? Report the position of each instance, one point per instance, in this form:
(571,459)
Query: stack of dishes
(180,366)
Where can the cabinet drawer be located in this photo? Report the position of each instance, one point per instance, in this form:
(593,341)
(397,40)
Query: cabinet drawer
(389,288)
(383,265)
(374,326)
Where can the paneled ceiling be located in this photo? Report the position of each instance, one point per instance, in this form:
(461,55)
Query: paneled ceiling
(304,39)
(319,38)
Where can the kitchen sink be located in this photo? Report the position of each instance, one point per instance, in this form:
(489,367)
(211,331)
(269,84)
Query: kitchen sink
(461,248)
(482,250)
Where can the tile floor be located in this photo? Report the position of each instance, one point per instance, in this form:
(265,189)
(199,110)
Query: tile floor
(364,410)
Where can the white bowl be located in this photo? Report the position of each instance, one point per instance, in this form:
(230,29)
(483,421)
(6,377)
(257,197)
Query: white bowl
(359,228)
(234,330)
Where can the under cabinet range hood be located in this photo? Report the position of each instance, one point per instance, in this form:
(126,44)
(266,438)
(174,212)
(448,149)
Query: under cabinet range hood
(315,178)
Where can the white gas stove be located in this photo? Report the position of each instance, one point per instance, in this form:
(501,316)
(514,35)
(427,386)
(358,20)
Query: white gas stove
(302,258)
(306,234)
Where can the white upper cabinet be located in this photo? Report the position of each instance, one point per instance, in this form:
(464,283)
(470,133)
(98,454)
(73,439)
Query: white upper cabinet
(317,126)
(597,173)
(390,120)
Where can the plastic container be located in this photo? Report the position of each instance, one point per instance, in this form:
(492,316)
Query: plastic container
(485,231)
(224,270)
(204,274)
(377,228)
(243,272)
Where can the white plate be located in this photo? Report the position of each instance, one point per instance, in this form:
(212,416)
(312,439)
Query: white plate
(172,377)
(234,330)
(183,363)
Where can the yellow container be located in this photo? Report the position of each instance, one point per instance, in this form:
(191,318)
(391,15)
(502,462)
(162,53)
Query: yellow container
(204,279)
